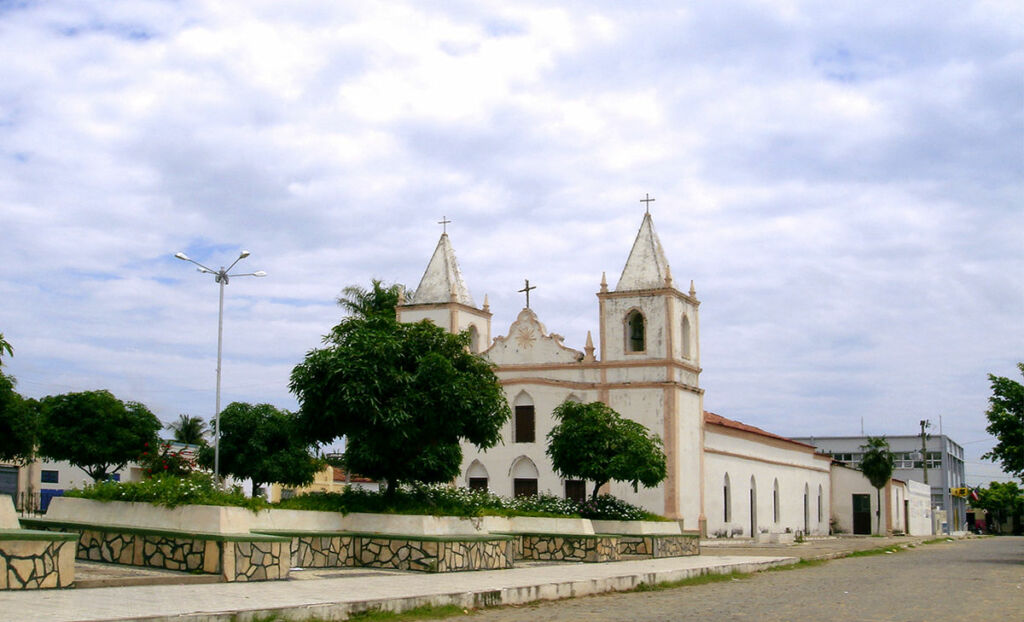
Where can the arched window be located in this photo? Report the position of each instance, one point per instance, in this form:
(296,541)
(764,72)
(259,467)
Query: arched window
(687,352)
(726,501)
(476,476)
(524,477)
(474,339)
(525,423)
(635,337)
(775,502)
(807,508)
(819,503)
(753,507)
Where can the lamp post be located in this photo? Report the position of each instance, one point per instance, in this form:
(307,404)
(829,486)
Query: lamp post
(222,277)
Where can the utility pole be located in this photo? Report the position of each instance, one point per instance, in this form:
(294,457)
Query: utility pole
(924,448)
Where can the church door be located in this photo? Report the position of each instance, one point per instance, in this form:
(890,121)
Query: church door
(862,514)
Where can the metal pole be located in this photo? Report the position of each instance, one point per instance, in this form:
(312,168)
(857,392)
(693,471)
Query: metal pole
(222,279)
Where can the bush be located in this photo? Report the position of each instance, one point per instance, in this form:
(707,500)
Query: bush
(170,491)
(163,461)
(607,507)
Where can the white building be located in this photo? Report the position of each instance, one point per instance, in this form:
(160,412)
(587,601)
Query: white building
(723,476)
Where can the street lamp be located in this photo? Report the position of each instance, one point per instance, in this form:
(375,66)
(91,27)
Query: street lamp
(222,277)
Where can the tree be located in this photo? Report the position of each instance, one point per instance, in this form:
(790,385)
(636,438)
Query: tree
(1004,502)
(593,442)
(1006,423)
(364,303)
(262,443)
(18,420)
(18,424)
(877,465)
(95,431)
(402,395)
(188,429)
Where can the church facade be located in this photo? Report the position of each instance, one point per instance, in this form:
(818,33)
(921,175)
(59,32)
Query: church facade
(724,477)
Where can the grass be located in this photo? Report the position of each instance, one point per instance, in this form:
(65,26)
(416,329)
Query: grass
(426,612)
(703,579)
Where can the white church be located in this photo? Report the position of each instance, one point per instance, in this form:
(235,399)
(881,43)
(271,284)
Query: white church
(724,477)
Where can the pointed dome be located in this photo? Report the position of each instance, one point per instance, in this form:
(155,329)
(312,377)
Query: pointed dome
(442,279)
(646,267)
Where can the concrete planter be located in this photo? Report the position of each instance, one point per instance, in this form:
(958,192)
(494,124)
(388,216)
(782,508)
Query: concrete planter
(782,538)
(413,524)
(297,520)
(188,518)
(637,527)
(536,524)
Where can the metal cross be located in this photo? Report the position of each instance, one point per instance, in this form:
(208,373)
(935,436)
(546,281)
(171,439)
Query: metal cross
(647,201)
(444,224)
(527,290)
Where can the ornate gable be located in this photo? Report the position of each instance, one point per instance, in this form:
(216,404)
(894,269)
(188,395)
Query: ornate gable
(528,343)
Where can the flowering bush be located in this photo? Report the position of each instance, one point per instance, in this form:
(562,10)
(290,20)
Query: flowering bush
(164,461)
(607,507)
(170,491)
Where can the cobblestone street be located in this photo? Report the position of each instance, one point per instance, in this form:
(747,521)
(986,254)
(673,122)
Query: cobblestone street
(949,580)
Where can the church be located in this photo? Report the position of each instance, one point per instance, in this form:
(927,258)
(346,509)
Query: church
(724,477)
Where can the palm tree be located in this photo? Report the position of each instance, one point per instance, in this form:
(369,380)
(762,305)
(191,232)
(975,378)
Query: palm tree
(5,347)
(189,429)
(877,465)
(379,300)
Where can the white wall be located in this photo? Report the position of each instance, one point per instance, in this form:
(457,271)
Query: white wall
(847,482)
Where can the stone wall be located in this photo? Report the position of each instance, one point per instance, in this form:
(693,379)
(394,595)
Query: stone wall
(403,553)
(30,562)
(570,547)
(239,557)
(659,546)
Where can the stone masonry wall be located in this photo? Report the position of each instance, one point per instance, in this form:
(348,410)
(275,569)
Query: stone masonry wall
(428,555)
(658,546)
(36,564)
(570,548)
(256,560)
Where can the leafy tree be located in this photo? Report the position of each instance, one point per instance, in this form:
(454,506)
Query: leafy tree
(402,395)
(877,465)
(18,424)
(5,347)
(95,431)
(262,443)
(1006,423)
(593,442)
(1004,502)
(189,429)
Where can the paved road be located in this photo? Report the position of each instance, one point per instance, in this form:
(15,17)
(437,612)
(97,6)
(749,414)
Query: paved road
(967,579)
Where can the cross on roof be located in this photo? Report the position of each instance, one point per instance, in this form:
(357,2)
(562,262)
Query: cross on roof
(647,202)
(444,224)
(527,289)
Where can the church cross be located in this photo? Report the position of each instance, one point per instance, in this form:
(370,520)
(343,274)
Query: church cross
(444,224)
(647,202)
(527,289)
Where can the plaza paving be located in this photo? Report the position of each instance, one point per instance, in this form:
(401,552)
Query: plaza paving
(335,593)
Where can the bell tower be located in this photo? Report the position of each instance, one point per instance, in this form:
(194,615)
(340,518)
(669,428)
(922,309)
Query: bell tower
(442,298)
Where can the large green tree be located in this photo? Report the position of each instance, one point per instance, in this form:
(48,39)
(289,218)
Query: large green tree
(593,442)
(95,431)
(877,465)
(189,429)
(403,395)
(1004,502)
(1006,423)
(18,420)
(262,443)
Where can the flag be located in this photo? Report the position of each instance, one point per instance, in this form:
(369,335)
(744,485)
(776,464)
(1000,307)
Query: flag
(974,494)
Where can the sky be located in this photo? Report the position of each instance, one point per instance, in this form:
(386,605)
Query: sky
(843,182)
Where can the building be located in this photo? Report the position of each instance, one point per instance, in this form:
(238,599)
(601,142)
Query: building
(723,476)
(944,465)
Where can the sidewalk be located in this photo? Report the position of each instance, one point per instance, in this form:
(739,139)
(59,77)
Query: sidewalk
(336,593)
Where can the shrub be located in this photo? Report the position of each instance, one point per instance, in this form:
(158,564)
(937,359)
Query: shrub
(607,507)
(170,491)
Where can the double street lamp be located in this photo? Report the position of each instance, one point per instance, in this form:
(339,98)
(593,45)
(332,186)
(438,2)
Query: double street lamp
(222,277)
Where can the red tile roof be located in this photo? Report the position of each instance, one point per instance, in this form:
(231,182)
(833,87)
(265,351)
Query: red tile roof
(340,476)
(710,417)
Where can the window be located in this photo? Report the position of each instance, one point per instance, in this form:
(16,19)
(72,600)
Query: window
(576,489)
(525,432)
(819,503)
(478,483)
(49,477)
(525,423)
(727,501)
(635,332)
(474,339)
(524,487)
(687,353)
(775,502)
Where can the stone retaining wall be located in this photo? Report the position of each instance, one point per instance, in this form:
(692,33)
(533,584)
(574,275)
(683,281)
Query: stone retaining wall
(31,560)
(238,557)
(401,552)
(659,545)
(569,547)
